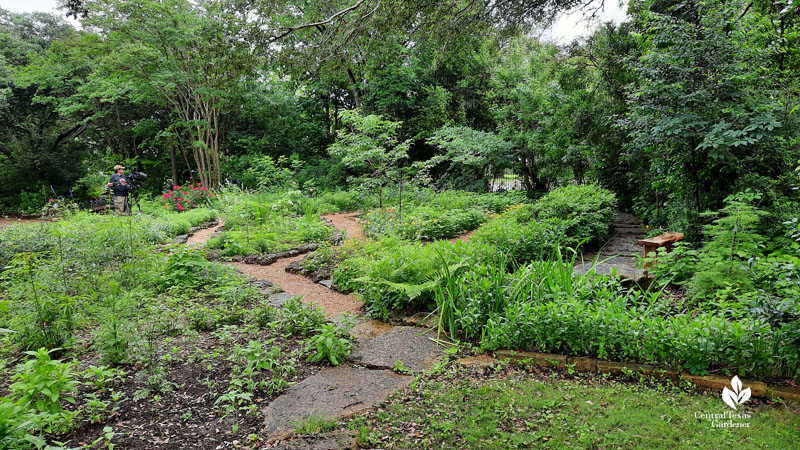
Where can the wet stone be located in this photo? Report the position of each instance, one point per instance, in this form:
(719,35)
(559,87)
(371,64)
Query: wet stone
(335,393)
(277,300)
(410,345)
(370,329)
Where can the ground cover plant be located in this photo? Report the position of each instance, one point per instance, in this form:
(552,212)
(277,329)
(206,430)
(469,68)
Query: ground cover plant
(510,408)
(268,223)
(491,175)
(101,324)
(429,216)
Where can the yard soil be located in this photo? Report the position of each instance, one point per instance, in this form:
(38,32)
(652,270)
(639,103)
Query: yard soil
(8,221)
(188,418)
(463,238)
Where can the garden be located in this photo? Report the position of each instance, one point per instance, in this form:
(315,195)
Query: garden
(399,225)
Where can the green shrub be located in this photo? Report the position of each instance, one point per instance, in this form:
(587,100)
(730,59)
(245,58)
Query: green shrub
(522,242)
(299,318)
(342,201)
(497,202)
(422,223)
(332,344)
(586,212)
(275,234)
(392,275)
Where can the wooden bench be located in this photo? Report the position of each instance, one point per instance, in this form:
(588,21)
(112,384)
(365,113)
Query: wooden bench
(665,240)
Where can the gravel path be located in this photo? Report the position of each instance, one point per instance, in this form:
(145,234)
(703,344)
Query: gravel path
(202,236)
(334,303)
(347,222)
(8,221)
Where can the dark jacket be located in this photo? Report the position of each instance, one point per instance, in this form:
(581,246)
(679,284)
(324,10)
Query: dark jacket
(121,185)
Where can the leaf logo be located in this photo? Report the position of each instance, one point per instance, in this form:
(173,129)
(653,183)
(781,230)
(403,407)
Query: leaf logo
(737,396)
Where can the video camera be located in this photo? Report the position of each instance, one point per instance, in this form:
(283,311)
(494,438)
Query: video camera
(136,178)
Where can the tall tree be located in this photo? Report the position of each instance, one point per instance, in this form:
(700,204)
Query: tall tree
(191,58)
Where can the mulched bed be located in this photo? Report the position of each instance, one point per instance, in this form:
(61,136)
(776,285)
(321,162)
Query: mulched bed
(187,418)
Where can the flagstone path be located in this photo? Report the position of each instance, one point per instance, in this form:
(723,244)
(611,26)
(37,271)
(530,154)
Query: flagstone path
(619,252)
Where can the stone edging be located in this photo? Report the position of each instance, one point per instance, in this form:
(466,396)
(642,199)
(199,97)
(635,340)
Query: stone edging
(270,258)
(262,260)
(715,382)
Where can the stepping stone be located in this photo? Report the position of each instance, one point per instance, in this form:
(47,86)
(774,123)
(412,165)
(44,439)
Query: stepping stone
(327,283)
(370,329)
(335,440)
(476,361)
(422,319)
(337,393)
(410,345)
(277,300)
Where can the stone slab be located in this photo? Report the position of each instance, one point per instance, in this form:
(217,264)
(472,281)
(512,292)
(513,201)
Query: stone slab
(334,440)
(582,363)
(327,283)
(410,345)
(540,359)
(277,300)
(784,392)
(718,383)
(370,329)
(477,361)
(337,392)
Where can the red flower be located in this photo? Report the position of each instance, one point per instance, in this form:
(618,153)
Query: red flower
(199,183)
(179,199)
(180,208)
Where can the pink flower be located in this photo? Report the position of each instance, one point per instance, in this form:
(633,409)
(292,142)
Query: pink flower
(179,199)
(176,187)
(180,208)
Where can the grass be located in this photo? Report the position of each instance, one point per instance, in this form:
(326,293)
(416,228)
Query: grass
(315,424)
(518,410)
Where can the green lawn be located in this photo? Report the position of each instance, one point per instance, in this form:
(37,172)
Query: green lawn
(520,410)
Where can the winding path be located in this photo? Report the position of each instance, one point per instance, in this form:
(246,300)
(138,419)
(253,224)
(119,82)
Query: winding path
(332,302)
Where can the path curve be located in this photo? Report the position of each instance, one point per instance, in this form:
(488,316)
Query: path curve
(332,302)
(347,222)
(202,236)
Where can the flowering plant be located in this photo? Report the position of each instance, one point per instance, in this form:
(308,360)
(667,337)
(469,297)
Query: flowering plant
(181,198)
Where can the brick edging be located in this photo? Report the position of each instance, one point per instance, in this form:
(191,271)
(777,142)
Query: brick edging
(582,363)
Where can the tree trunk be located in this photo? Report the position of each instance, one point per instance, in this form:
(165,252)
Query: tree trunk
(172,161)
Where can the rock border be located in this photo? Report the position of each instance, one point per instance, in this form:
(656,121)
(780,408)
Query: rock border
(582,363)
(270,258)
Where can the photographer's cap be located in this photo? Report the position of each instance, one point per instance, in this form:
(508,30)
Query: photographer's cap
(117,167)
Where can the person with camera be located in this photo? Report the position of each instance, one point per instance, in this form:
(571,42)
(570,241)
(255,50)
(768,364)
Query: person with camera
(120,185)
